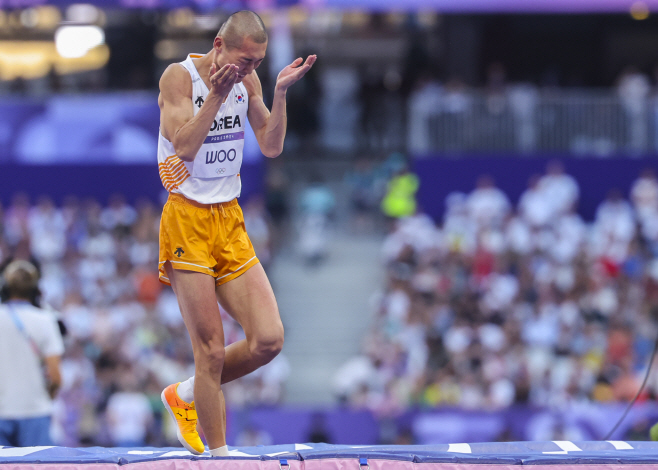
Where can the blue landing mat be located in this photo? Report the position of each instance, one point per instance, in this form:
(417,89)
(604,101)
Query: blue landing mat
(507,453)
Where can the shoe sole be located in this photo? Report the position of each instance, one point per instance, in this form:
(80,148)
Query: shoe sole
(178,434)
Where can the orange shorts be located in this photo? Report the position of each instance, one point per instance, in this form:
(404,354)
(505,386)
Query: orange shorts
(205,238)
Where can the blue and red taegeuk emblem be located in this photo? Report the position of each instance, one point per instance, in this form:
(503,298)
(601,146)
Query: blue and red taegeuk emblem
(239,98)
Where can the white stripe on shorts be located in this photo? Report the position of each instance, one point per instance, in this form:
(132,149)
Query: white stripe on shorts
(191,264)
(219,278)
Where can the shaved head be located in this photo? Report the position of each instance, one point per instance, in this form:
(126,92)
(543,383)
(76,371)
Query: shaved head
(241,25)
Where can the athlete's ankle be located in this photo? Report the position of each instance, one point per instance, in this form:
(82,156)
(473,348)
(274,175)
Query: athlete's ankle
(185,390)
(219,452)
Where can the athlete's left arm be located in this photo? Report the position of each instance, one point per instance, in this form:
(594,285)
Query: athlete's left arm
(270,126)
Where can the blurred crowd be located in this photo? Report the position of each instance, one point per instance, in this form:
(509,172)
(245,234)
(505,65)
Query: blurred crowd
(125,336)
(502,305)
(497,305)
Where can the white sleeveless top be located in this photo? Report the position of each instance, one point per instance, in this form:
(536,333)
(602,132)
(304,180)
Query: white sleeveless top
(214,174)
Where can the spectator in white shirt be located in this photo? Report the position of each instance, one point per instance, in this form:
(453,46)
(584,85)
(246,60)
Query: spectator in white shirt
(559,188)
(129,414)
(30,350)
(616,209)
(644,195)
(535,206)
(487,204)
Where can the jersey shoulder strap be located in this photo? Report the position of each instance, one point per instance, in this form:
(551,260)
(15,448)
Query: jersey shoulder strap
(189,66)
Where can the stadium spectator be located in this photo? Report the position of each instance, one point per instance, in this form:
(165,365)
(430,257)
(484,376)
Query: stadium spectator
(30,350)
(129,414)
(487,205)
(633,88)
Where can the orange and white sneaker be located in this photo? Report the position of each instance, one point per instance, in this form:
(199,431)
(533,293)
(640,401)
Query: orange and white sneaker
(184,414)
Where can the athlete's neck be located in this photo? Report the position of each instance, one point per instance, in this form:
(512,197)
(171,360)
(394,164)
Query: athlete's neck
(203,64)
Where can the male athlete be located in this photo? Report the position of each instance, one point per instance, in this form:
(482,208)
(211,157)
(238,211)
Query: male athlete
(205,253)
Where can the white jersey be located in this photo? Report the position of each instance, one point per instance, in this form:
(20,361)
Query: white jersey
(23,391)
(214,174)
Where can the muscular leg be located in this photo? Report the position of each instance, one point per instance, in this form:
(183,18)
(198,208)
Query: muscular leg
(198,305)
(250,300)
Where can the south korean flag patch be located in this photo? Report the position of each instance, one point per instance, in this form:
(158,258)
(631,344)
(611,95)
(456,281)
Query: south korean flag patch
(239,98)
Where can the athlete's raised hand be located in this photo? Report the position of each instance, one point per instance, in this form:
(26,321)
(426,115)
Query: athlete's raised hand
(222,80)
(293,72)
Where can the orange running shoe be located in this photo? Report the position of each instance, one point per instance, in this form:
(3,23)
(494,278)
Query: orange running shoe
(184,414)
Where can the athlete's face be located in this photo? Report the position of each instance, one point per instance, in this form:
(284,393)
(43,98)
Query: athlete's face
(247,58)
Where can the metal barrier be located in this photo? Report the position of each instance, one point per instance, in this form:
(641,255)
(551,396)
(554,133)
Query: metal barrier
(524,120)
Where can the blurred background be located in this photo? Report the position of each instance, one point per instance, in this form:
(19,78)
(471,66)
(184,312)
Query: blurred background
(462,231)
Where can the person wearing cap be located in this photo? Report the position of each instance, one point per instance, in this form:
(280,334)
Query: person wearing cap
(31,346)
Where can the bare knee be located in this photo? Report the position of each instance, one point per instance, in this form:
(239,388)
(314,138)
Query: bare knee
(210,355)
(266,346)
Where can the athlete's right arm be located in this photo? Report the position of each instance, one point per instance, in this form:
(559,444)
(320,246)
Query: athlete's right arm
(179,124)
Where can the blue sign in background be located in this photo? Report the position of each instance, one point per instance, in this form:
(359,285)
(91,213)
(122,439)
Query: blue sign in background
(91,145)
(87,129)
(577,421)
(439,176)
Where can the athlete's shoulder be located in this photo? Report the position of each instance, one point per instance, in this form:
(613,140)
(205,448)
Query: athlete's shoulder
(176,78)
